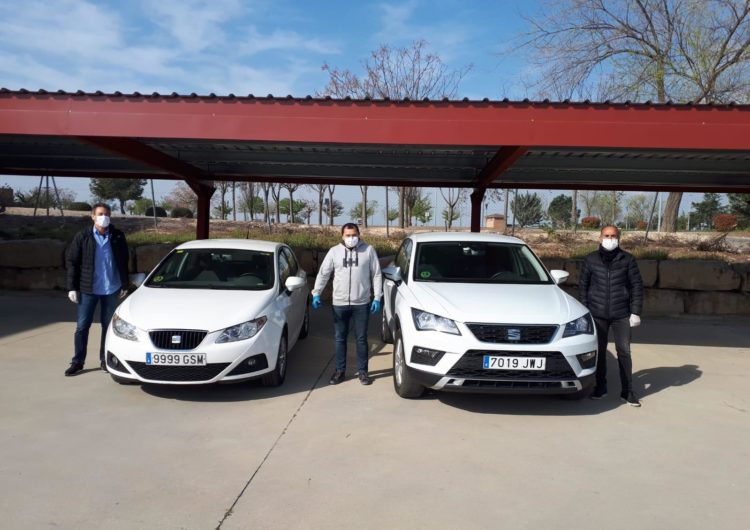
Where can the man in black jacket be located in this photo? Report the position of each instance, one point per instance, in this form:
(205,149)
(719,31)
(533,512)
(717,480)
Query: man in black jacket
(97,273)
(612,289)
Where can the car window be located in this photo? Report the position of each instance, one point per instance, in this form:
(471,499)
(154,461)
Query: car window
(478,262)
(403,257)
(284,269)
(293,266)
(212,268)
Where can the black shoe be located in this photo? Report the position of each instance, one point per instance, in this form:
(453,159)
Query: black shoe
(630,399)
(364,378)
(337,377)
(103,366)
(599,393)
(73,369)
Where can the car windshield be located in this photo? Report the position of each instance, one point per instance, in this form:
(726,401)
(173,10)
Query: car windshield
(478,262)
(215,268)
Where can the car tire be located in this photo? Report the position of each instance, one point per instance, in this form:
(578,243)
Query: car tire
(385,331)
(276,377)
(123,380)
(305,322)
(403,381)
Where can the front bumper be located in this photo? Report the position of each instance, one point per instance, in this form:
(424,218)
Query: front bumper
(225,363)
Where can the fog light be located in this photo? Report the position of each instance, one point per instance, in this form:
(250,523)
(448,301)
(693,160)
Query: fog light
(587,360)
(426,355)
(115,363)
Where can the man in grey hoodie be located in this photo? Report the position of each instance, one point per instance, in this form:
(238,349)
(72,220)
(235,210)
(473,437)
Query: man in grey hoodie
(356,278)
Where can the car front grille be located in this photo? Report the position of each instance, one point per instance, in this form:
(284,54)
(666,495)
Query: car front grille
(470,366)
(499,333)
(182,374)
(189,339)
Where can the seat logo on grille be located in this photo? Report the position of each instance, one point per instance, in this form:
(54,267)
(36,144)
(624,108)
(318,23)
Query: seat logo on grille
(514,334)
(176,339)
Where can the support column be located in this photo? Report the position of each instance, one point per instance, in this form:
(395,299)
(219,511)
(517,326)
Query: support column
(204,211)
(477,196)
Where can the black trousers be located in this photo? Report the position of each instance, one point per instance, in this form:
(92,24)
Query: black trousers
(621,331)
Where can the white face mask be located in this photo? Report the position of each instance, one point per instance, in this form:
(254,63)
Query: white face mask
(102,220)
(351,241)
(610,244)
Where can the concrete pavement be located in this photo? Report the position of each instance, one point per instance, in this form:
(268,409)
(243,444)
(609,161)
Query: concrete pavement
(84,452)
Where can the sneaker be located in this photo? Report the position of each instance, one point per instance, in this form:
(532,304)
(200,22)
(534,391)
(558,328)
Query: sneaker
(103,366)
(599,393)
(630,399)
(337,377)
(364,378)
(73,369)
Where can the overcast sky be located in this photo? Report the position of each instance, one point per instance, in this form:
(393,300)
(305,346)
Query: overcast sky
(253,46)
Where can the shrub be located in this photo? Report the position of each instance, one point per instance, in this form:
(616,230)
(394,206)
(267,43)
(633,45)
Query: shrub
(591,222)
(641,225)
(725,222)
(79,206)
(160,212)
(181,211)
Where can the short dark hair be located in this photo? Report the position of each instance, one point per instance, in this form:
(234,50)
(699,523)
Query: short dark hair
(100,205)
(350,226)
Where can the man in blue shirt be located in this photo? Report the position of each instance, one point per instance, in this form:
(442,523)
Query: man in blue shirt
(97,273)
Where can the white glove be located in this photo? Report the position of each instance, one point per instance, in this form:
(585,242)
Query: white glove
(73,295)
(123,293)
(635,321)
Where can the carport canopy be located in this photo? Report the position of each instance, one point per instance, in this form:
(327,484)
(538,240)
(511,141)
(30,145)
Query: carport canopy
(429,143)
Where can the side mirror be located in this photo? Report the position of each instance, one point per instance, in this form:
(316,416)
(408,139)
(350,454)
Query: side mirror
(137,279)
(294,282)
(559,276)
(393,273)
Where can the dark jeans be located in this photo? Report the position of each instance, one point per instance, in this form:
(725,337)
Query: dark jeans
(360,315)
(621,330)
(86,308)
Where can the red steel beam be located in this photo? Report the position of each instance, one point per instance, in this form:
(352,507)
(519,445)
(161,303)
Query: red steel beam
(366,122)
(198,180)
(504,158)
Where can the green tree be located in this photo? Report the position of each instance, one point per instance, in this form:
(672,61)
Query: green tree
(139,206)
(284,207)
(703,212)
(121,189)
(454,216)
(739,205)
(422,210)
(527,209)
(638,207)
(334,210)
(559,210)
(222,209)
(392,214)
(356,211)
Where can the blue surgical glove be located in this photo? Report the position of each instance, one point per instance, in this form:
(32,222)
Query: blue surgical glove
(375,306)
(316,303)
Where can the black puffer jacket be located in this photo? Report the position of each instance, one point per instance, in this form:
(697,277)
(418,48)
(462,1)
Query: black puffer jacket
(79,259)
(611,290)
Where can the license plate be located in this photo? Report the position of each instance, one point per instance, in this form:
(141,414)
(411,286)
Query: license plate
(176,359)
(496,362)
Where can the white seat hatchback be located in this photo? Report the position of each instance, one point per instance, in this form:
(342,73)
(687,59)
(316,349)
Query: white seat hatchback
(481,313)
(212,311)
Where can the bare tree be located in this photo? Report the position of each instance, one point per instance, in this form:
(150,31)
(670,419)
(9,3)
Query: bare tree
(589,199)
(453,197)
(276,194)
(320,189)
(682,50)
(331,189)
(266,187)
(363,189)
(411,72)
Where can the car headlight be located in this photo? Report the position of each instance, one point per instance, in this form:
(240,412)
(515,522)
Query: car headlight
(123,328)
(580,326)
(425,321)
(242,331)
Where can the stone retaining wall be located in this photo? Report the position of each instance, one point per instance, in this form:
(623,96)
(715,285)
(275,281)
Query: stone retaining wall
(700,287)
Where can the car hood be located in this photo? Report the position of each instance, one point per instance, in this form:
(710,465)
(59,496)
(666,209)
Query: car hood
(212,310)
(500,303)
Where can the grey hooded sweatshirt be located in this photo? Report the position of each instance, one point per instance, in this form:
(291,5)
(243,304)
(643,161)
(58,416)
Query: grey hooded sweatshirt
(356,274)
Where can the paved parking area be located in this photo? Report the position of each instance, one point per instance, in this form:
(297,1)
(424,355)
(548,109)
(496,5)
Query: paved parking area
(84,452)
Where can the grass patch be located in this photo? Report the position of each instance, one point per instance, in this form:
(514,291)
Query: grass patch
(649,253)
(583,251)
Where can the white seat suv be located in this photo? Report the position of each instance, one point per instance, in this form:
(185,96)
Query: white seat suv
(480,313)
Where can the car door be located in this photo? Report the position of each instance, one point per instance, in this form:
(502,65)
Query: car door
(284,301)
(390,288)
(299,296)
